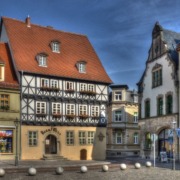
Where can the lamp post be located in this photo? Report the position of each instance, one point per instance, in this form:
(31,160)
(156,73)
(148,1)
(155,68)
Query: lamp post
(16,123)
(173,145)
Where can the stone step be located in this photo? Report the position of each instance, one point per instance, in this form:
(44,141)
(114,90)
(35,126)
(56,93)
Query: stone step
(54,157)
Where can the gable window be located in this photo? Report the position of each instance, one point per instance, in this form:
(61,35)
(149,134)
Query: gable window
(160,106)
(147,108)
(82,109)
(118,116)
(1,72)
(136,139)
(69,86)
(81,66)
(70,109)
(157,76)
(169,104)
(135,117)
(118,95)
(95,111)
(44,82)
(32,136)
(55,46)
(4,101)
(42,59)
(56,108)
(40,108)
(70,137)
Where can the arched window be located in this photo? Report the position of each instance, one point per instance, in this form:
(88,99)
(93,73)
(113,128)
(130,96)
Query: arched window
(136,138)
(169,104)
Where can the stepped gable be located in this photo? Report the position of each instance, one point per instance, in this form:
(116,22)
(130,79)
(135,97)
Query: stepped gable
(27,40)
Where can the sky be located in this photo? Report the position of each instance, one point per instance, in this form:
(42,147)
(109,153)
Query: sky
(119,30)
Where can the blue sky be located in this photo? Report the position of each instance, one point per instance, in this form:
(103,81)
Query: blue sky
(119,30)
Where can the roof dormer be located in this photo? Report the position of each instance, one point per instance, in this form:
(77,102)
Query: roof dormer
(2,71)
(42,59)
(81,66)
(55,46)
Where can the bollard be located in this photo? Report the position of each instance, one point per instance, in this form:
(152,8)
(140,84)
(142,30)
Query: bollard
(148,164)
(137,165)
(84,169)
(123,166)
(105,168)
(2,172)
(32,171)
(59,170)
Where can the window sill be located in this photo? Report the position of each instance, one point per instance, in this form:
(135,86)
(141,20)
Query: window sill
(41,115)
(88,92)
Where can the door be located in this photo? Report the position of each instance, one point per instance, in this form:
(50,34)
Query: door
(51,144)
(83,154)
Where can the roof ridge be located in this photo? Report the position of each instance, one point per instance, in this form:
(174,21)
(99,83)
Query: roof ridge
(46,27)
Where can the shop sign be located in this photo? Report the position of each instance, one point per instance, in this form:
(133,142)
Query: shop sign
(6,133)
(51,130)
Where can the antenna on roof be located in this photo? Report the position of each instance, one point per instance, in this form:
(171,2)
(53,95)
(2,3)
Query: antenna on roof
(28,21)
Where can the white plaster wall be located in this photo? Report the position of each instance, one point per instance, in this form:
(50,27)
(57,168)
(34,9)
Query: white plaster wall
(167,86)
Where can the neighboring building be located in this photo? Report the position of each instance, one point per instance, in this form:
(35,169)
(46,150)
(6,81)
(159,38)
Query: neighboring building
(123,130)
(158,92)
(9,105)
(64,92)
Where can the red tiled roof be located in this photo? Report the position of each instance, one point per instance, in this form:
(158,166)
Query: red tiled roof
(27,42)
(10,80)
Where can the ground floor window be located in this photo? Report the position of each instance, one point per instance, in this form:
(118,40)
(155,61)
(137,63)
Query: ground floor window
(86,137)
(6,141)
(32,135)
(69,137)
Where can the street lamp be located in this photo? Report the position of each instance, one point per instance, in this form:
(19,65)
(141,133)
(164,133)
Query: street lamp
(173,145)
(16,123)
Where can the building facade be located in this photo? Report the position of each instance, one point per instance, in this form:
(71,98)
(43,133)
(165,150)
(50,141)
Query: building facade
(64,92)
(9,106)
(123,130)
(158,93)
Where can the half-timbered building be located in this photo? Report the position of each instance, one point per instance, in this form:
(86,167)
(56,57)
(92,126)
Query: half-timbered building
(64,92)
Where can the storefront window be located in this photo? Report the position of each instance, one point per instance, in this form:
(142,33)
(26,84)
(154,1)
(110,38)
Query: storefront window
(6,142)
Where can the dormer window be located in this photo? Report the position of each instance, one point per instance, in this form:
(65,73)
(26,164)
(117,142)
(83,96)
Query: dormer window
(81,66)
(55,46)
(42,59)
(1,71)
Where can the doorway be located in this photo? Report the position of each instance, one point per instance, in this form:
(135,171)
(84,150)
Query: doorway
(83,154)
(51,144)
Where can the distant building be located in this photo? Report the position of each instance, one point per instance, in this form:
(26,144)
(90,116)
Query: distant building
(158,93)
(9,105)
(123,130)
(64,92)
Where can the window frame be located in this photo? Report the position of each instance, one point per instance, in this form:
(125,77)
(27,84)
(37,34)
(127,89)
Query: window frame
(53,83)
(70,138)
(32,138)
(44,81)
(41,108)
(147,108)
(83,110)
(55,108)
(6,101)
(136,138)
(82,137)
(118,95)
(169,104)
(55,47)
(160,106)
(69,85)
(42,60)
(90,137)
(118,117)
(83,87)
(82,67)
(118,135)
(157,77)
(135,117)
(69,109)
(95,111)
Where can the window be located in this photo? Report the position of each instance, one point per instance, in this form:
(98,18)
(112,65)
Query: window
(44,82)
(70,109)
(157,77)
(135,117)
(160,106)
(82,67)
(54,84)
(91,87)
(118,137)
(55,46)
(118,95)
(169,104)
(40,108)
(69,137)
(82,109)
(1,72)
(95,111)
(147,108)
(82,137)
(6,141)
(118,116)
(42,60)
(90,137)
(69,86)
(136,140)
(148,141)
(83,87)
(32,135)
(4,101)
(56,108)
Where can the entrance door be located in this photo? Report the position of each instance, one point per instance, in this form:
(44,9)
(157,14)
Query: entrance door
(83,154)
(51,144)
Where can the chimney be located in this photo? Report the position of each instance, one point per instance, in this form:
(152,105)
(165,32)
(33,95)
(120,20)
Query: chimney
(28,21)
